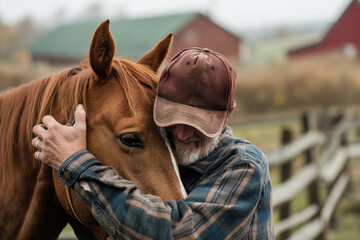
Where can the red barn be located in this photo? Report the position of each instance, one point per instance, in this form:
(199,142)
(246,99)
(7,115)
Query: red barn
(344,34)
(203,32)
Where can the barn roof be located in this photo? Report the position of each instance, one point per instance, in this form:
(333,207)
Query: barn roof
(133,37)
(343,31)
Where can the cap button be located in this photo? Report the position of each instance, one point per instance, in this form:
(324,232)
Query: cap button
(67,175)
(206,50)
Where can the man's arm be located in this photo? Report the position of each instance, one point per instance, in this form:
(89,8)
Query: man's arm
(223,206)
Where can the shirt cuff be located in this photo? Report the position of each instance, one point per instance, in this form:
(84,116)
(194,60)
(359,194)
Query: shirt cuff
(71,169)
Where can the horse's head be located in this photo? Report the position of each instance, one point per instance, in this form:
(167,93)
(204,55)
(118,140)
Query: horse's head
(120,129)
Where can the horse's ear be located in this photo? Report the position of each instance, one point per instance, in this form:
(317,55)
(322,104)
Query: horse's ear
(102,50)
(155,57)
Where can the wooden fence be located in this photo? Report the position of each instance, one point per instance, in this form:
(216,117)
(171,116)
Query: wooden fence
(325,156)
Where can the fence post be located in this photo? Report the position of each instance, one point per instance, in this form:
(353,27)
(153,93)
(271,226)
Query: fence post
(357,131)
(285,173)
(325,122)
(309,123)
(344,139)
(335,120)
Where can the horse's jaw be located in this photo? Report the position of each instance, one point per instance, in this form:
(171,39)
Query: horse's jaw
(176,168)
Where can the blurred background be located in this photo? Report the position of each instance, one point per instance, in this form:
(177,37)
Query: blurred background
(297,93)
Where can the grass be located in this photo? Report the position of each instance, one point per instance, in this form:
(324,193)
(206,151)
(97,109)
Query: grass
(67,233)
(347,220)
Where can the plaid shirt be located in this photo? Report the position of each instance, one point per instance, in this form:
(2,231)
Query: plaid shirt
(229,197)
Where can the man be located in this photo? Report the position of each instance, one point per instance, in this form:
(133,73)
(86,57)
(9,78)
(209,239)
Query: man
(226,178)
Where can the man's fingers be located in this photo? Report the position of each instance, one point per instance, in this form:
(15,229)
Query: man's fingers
(40,131)
(36,142)
(37,154)
(80,116)
(50,122)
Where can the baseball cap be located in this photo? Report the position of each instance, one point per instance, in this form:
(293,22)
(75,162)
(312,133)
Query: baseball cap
(196,88)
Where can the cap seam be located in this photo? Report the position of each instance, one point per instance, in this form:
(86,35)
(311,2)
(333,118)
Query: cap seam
(167,71)
(199,60)
(227,82)
(201,49)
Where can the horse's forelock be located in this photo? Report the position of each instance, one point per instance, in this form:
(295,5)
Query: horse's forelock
(138,83)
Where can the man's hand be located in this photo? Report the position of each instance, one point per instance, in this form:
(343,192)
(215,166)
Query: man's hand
(56,142)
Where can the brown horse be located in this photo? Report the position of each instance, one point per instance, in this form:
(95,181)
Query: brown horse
(118,97)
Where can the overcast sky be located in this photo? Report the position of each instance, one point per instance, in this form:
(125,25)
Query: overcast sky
(233,13)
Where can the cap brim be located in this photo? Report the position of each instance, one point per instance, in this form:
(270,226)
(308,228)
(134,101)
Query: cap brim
(167,113)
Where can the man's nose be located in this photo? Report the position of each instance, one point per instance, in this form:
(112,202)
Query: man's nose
(183,132)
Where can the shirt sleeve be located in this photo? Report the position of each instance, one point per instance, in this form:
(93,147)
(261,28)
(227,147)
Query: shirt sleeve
(223,206)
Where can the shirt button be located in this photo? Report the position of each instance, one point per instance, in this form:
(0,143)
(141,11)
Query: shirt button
(110,238)
(67,175)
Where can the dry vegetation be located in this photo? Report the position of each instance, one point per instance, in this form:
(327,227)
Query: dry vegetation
(13,74)
(329,79)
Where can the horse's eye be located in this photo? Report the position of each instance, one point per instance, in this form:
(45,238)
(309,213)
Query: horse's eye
(131,140)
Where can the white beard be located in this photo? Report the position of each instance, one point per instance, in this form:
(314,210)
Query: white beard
(188,155)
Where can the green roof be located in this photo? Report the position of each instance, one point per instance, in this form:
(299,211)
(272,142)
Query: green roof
(133,37)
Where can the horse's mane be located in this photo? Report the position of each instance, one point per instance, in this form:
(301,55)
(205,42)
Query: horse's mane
(58,95)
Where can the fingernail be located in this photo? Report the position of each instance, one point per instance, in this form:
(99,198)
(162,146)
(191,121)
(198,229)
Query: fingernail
(81,107)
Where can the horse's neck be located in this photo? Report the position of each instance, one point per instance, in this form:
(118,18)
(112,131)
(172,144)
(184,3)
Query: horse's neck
(17,117)
(15,150)
(26,185)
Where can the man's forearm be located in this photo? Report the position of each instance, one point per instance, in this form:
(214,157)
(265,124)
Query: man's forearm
(117,204)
